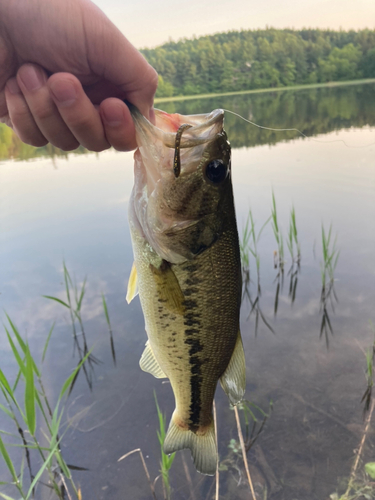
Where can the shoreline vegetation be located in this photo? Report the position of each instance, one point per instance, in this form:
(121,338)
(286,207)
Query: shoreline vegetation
(306,86)
(259,59)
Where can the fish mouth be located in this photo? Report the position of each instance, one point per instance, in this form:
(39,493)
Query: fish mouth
(203,127)
(157,143)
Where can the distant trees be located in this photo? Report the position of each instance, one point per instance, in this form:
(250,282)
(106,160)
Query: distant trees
(268,58)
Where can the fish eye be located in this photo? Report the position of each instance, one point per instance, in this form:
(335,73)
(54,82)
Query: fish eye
(216,171)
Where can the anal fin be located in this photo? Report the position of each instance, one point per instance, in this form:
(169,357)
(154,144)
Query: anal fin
(149,364)
(132,285)
(233,380)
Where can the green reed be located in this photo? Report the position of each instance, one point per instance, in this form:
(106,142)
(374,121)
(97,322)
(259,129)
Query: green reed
(33,418)
(369,374)
(279,258)
(249,245)
(330,256)
(105,308)
(73,302)
(166,460)
(327,269)
(292,240)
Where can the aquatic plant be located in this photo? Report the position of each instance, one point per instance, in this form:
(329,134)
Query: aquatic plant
(109,329)
(292,240)
(279,256)
(36,405)
(327,268)
(249,245)
(74,302)
(330,257)
(369,374)
(166,460)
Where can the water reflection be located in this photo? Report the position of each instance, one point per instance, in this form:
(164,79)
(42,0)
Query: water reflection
(312,111)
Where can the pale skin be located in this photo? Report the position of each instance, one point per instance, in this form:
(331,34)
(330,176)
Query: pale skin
(64,72)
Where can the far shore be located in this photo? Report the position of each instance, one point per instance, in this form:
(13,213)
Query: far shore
(258,91)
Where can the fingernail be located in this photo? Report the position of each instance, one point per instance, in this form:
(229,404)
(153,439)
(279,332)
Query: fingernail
(113,115)
(64,92)
(32,78)
(13,86)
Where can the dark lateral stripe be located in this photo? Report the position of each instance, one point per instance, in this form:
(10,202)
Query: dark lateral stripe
(195,382)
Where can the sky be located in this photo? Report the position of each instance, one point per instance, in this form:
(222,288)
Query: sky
(149,23)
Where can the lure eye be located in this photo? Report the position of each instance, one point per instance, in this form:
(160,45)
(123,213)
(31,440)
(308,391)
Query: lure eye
(216,171)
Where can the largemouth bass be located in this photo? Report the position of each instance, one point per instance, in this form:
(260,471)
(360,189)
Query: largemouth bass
(188,271)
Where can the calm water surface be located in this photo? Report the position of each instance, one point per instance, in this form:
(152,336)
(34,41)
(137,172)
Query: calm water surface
(75,209)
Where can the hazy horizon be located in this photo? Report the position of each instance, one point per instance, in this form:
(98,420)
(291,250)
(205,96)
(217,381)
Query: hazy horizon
(147,23)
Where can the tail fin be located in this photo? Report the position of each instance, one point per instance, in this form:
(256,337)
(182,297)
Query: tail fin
(202,446)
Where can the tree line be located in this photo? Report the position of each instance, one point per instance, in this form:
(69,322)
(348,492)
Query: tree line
(245,60)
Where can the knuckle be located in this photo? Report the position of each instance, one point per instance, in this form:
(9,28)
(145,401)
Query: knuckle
(42,112)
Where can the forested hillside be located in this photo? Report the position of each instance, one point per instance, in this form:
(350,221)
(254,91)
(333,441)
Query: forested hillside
(268,58)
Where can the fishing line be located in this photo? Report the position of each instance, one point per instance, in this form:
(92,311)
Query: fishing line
(297,130)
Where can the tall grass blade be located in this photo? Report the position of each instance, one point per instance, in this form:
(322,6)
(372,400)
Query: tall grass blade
(5,384)
(79,301)
(30,393)
(47,341)
(109,328)
(106,311)
(70,379)
(6,411)
(17,380)
(56,300)
(16,354)
(68,282)
(3,495)
(41,470)
(8,461)
(22,344)
(16,333)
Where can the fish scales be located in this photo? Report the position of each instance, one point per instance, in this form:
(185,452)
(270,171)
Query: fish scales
(189,283)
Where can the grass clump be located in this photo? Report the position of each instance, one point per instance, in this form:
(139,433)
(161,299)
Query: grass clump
(279,255)
(327,268)
(38,440)
(249,246)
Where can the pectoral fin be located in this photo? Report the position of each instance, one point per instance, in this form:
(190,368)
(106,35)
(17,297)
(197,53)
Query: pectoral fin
(132,285)
(233,380)
(149,364)
(168,288)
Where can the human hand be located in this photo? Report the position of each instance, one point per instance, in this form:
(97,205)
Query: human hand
(64,70)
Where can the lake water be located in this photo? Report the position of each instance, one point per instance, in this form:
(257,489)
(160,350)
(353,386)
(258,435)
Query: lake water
(73,208)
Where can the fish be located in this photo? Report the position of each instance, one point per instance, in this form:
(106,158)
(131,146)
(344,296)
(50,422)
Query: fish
(187,270)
